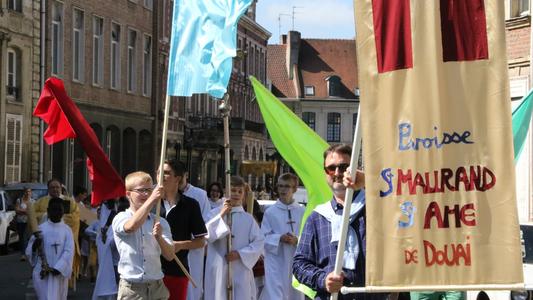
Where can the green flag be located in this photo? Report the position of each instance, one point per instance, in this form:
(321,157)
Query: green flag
(521,120)
(300,147)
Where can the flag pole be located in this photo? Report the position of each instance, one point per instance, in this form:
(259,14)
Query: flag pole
(356,149)
(225,110)
(160,179)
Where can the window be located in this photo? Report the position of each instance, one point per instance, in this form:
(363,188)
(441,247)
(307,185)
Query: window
(309,90)
(147,65)
(251,52)
(13,150)
(309,119)
(15,5)
(98,51)
(57,38)
(13,73)
(132,40)
(148,4)
(115,56)
(354,123)
(519,8)
(263,64)
(334,85)
(240,61)
(78,45)
(164,20)
(334,127)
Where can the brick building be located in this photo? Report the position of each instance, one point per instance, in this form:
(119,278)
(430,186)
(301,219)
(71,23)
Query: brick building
(519,45)
(317,79)
(19,86)
(103,52)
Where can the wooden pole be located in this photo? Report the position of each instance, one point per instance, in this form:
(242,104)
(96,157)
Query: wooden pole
(225,110)
(160,179)
(356,149)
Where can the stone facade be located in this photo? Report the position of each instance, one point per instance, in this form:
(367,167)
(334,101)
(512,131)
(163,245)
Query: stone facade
(92,46)
(19,88)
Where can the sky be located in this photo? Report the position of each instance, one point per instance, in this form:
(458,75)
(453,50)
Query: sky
(331,19)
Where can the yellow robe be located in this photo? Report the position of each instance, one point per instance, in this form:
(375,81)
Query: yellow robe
(72,219)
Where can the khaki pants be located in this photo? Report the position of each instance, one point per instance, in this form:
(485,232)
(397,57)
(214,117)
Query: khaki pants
(153,290)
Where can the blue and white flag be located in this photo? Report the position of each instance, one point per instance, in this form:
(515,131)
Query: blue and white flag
(203,43)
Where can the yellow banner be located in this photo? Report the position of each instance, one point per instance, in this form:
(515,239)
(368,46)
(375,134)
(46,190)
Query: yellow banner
(437,144)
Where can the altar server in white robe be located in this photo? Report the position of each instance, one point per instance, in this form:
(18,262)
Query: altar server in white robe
(57,244)
(281,226)
(106,286)
(196,256)
(247,246)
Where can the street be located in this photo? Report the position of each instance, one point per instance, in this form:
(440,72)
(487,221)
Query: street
(16,283)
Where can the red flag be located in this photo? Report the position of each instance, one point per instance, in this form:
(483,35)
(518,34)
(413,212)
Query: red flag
(66,121)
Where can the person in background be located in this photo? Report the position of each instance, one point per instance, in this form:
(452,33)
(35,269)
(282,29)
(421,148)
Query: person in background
(21,209)
(195,256)
(50,252)
(186,225)
(247,246)
(215,192)
(80,194)
(71,217)
(281,226)
(106,287)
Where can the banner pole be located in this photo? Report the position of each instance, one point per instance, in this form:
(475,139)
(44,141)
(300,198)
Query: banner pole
(225,110)
(356,150)
(160,179)
(438,288)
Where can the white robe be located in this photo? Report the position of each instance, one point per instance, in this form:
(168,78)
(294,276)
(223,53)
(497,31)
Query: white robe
(215,204)
(247,240)
(106,283)
(196,256)
(58,245)
(279,255)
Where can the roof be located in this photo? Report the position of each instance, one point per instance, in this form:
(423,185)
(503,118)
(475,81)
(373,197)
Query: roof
(318,59)
(277,72)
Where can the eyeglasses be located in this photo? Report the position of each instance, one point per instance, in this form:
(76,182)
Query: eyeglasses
(331,169)
(284,186)
(143,190)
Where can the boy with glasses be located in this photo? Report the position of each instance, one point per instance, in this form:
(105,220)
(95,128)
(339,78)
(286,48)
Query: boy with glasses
(140,241)
(281,227)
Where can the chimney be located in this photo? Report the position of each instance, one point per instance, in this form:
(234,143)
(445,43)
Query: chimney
(251,10)
(283,39)
(293,51)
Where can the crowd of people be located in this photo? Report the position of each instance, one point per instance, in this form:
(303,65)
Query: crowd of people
(225,245)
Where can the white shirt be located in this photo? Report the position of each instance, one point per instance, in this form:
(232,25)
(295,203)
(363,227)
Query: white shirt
(139,250)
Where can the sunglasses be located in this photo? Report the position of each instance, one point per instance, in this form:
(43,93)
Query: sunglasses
(331,169)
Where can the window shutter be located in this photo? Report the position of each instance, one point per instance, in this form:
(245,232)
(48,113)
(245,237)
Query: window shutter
(13,153)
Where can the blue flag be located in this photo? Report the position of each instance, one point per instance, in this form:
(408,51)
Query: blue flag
(203,42)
